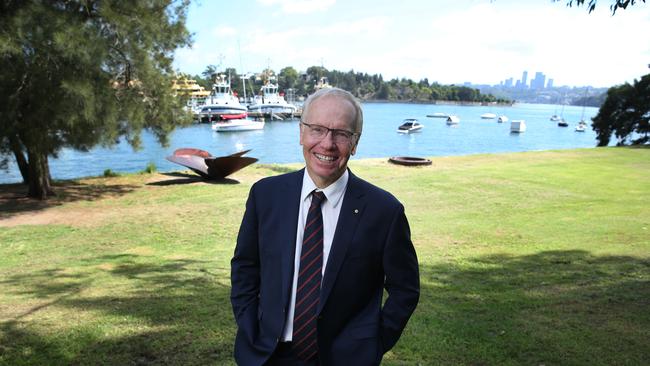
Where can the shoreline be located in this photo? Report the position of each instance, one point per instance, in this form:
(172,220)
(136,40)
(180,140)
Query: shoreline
(438,102)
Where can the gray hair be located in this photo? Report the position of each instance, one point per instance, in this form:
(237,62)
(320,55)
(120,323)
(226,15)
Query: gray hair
(357,123)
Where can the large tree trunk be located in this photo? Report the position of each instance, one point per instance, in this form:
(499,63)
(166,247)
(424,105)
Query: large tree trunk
(19,154)
(39,175)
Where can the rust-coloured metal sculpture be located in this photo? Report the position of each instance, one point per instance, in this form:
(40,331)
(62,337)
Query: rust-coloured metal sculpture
(210,167)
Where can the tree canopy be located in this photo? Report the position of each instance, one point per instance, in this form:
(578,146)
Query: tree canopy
(591,5)
(625,114)
(77,73)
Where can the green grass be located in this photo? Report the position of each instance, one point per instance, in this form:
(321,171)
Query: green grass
(526,259)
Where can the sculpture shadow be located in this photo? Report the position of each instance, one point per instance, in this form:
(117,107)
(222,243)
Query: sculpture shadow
(189,178)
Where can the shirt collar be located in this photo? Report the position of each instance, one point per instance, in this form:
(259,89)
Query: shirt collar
(334,192)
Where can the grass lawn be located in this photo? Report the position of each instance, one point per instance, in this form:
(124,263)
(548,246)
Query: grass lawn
(537,258)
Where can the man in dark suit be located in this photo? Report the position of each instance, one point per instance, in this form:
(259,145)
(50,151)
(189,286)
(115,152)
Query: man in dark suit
(315,251)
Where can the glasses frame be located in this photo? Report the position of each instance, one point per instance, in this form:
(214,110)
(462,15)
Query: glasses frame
(353,135)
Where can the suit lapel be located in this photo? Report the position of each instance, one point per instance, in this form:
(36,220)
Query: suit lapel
(351,211)
(291,195)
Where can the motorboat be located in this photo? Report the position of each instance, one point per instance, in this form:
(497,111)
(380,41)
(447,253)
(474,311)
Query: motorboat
(581,127)
(270,102)
(555,118)
(221,101)
(453,119)
(410,125)
(563,123)
(438,115)
(502,119)
(488,116)
(518,126)
(239,124)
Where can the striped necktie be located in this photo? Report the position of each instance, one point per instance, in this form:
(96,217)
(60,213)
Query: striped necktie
(309,282)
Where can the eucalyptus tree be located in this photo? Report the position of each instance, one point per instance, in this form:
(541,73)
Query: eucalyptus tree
(591,4)
(625,114)
(77,73)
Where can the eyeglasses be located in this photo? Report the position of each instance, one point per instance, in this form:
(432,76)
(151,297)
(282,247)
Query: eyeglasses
(318,132)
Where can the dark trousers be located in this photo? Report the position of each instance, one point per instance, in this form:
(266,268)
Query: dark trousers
(283,356)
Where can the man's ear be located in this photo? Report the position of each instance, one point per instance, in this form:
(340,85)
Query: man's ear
(300,132)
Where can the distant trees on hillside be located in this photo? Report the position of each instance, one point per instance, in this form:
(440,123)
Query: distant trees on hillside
(362,85)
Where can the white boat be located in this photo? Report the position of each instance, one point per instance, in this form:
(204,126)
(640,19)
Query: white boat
(555,118)
(453,119)
(502,119)
(242,124)
(270,102)
(438,115)
(221,101)
(581,127)
(518,126)
(410,125)
(488,116)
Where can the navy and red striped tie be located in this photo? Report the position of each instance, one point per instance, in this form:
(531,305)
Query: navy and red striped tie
(304,342)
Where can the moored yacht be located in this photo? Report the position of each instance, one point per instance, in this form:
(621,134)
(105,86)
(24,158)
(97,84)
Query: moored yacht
(409,125)
(453,119)
(518,126)
(239,124)
(581,127)
(488,116)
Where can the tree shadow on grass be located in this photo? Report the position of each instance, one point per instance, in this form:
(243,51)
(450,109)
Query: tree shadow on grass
(14,200)
(553,308)
(131,309)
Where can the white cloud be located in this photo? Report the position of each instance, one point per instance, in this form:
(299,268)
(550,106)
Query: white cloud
(299,6)
(223,31)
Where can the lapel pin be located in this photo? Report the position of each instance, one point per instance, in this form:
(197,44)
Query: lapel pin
(356,210)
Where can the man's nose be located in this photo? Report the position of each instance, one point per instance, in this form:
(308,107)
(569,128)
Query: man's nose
(328,140)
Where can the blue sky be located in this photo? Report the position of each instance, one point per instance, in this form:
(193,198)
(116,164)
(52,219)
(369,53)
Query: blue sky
(479,41)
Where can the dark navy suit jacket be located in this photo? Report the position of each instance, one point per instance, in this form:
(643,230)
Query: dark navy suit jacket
(371,251)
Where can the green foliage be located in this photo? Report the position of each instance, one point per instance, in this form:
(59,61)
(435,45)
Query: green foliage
(78,73)
(109,173)
(373,87)
(625,113)
(150,168)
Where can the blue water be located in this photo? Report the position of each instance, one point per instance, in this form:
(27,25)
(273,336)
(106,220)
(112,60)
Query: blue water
(278,141)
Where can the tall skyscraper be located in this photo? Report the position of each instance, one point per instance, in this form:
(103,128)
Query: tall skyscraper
(539,81)
(549,84)
(524,80)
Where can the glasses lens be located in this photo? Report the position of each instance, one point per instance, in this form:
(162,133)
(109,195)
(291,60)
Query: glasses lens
(341,136)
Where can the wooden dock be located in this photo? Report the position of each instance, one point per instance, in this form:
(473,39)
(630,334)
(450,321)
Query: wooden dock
(275,116)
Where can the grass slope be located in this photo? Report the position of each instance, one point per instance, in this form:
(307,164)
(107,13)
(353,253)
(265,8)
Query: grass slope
(528,258)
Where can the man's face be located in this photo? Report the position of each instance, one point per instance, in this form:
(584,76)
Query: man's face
(326,158)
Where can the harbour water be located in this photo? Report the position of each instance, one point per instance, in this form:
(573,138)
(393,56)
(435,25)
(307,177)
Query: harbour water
(278,141)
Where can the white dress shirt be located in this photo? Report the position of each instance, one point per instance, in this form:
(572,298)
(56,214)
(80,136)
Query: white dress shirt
(330,208)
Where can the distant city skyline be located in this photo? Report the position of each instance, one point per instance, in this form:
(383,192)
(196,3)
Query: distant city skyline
(480,41)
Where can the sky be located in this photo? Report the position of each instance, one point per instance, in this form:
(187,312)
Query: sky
(451,41)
